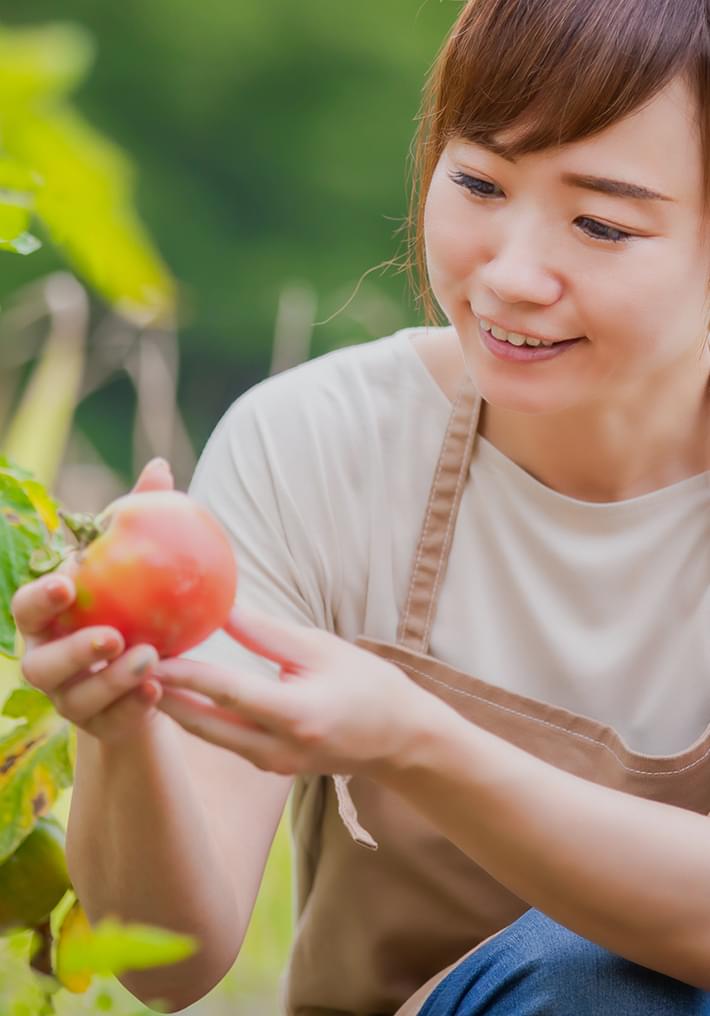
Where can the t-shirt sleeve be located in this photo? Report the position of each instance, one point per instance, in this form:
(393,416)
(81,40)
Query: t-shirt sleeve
(259,475)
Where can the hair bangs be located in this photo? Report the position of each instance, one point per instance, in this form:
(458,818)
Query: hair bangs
(521,76)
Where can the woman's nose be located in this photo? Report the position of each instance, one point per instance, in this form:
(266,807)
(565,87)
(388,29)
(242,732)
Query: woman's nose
(518,270)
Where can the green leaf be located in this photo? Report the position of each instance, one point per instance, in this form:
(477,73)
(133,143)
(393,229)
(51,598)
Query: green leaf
(36,764)
(112,947)
(21,992)
(25,243)
(87,207)
(27,525)
(41,62)
(43,503)
(13,469)
(28,704)
(18,179)
(14,220)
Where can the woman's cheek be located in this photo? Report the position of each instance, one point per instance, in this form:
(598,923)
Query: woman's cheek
(453,251)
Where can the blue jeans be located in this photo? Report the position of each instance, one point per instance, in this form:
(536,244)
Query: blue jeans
(536,967)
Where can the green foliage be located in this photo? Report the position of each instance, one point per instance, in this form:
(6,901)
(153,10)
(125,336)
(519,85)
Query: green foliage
(273,142)
(43,63)
(36,764)
(82,953)
(113,948)
(28,527)
(76,183)
(57,170)
(18,188)
(21,993)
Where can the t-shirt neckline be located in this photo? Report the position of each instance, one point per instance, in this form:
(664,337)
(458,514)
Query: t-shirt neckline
(489,452)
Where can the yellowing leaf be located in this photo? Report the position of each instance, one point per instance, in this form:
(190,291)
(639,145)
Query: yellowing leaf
(23,532)
(35,766)
(75,929)
(112,947)
(43,503)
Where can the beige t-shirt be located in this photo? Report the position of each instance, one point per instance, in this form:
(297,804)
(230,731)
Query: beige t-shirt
(321,476)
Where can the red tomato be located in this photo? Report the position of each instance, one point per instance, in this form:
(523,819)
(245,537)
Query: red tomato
(162,571)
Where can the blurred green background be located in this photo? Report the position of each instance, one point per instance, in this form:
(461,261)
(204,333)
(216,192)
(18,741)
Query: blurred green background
(271,144)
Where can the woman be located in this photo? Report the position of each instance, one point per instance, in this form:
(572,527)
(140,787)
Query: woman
(474,562)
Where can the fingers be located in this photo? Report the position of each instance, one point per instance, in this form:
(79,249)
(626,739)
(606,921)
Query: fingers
(156,475)
(285,643)
(264,750)
(37,603)
(92,685)
(51,664)
(240,697)
(88,700)
(85,673)
(128,716)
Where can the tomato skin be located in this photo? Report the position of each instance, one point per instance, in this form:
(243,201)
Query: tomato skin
(34,878)
(162,572)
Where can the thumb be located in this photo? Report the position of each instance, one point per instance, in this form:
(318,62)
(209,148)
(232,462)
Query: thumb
(156,475)
(290,645)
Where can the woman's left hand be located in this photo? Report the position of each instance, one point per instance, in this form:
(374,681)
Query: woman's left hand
(336,708)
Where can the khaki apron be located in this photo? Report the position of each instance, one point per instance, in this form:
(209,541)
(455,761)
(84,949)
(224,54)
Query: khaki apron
(378,928)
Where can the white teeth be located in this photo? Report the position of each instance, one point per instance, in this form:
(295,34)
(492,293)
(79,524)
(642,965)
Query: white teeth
(515,338)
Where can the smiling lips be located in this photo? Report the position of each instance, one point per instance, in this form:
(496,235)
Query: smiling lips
(519,338)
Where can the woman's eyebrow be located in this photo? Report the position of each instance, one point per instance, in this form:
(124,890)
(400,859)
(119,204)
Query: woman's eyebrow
(601,184)
(616,188)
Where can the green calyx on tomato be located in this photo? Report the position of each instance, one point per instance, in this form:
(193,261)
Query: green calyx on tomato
(155,565)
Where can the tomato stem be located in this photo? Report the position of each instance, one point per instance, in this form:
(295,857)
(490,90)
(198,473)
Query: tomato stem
(84,527)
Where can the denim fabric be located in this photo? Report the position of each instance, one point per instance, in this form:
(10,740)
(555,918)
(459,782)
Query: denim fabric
(537,967)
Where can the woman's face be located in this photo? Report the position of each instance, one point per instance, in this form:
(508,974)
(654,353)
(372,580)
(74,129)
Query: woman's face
(533,251)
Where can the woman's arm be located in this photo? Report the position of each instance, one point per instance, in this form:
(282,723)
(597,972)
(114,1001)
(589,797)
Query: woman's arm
(630,874)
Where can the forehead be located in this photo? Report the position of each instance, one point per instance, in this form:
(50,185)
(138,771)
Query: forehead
(658,146)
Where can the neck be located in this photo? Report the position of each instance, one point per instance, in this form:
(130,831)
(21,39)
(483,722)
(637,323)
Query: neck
(607,453)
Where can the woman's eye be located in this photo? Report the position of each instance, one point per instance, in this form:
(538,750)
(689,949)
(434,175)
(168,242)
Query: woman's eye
(473,184)
(598,231)
(592,228)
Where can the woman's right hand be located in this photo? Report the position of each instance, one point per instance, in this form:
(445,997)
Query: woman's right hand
(87,675)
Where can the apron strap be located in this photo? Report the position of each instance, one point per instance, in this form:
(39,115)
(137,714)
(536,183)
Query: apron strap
(440,520)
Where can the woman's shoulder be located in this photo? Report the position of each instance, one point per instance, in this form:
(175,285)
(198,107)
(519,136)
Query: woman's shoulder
(336,418)
(367,379)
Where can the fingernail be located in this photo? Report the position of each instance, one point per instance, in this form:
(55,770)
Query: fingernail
(144,662)
(105,644)
(150,692)
(57,590)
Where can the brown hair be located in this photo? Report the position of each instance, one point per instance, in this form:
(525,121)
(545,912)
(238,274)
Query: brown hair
(546,73)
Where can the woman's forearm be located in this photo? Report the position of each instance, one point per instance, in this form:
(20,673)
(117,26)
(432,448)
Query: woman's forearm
(630,874)
(139,848)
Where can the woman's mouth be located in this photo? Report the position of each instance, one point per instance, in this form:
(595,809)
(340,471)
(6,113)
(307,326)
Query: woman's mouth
(514,347)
